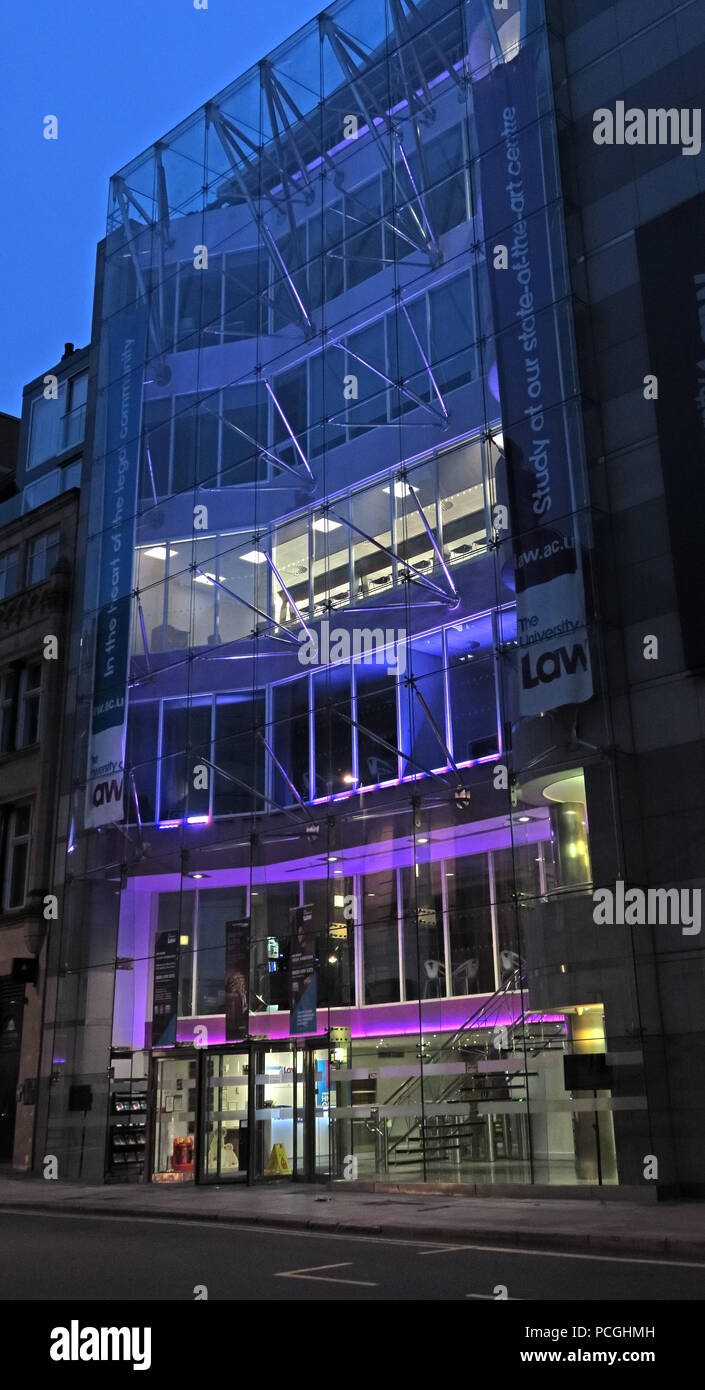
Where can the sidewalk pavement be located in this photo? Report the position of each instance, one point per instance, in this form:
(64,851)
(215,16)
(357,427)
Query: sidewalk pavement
(660,1230)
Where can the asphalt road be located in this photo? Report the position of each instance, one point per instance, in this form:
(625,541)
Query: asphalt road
(48,1256)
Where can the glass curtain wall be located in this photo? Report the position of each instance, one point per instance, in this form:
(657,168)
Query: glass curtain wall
(336,817)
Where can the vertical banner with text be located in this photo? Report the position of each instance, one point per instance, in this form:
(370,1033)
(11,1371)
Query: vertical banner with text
(165,989)
(522,247)
(106,751)
(237,969)
(303,971)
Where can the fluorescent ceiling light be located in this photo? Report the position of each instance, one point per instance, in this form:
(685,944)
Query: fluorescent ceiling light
(255,557)
(325,524)
(204,579)
(401,490)
(158,552)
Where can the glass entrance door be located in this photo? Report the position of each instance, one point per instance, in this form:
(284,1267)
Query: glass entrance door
(174,1120)
(321,1107)
(312,1112)
(225,1154)
(274,1113)
(291,1111)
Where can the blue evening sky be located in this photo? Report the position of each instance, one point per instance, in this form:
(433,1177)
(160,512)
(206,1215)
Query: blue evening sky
(118,74)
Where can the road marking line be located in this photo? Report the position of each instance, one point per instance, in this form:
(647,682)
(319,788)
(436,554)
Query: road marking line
(310,1273)
(605,1259)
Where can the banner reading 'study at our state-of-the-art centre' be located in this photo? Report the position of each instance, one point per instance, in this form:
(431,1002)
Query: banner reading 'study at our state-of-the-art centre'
(523,251)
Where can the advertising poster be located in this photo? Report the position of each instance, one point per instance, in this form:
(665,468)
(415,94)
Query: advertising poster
(165,990)
(554,659)
(303,971)
(237,966)
(671,251)
(106,747)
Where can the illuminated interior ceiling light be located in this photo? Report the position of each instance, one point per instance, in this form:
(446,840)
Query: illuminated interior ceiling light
(338,900)
(158,552)
(422,840)
(332,960)
(204,579)
(348,777)
(400,489)
(196,875)
(523,819)
(255,557)
(183,941)
(325,524)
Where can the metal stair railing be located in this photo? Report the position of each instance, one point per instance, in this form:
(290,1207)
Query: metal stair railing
(490,1006)
(511,985)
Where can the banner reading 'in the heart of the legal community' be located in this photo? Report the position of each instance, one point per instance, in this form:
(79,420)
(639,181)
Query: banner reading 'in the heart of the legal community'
(106,750)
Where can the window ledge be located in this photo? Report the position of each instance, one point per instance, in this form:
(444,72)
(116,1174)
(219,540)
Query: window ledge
(11,753)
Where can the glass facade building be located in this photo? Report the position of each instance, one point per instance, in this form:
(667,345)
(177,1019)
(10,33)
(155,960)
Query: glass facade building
(337,773)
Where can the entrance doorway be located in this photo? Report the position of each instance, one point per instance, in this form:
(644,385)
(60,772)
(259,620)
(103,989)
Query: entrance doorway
(292,1110)
(225,1123)
(275,1135)
(263,1113)
(175,1090)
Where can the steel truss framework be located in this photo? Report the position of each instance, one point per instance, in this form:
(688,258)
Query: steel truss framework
(273,173)
(279,177)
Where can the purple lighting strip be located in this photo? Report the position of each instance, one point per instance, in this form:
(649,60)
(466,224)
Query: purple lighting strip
(378,1020)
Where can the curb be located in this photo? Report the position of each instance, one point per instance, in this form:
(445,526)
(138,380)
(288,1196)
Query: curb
(558,1242)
